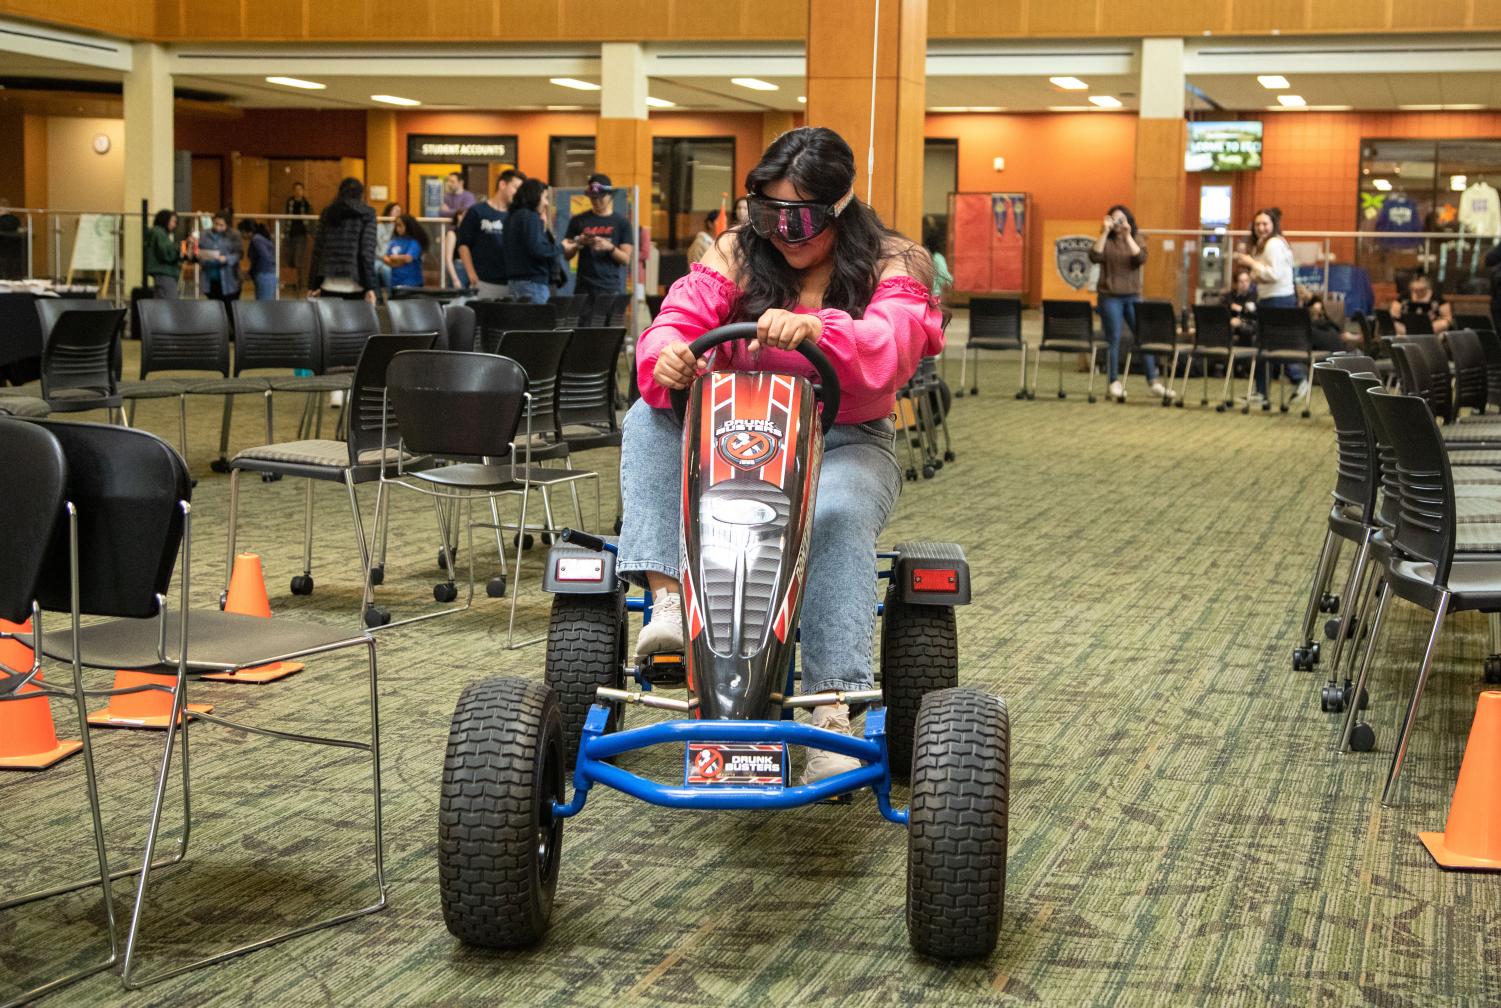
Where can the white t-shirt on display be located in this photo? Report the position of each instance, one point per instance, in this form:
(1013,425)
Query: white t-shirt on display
(1480,210)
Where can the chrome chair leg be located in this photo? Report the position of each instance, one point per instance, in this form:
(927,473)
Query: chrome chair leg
(1350,611)
(1322,572)
(1382,596)
(1400,753)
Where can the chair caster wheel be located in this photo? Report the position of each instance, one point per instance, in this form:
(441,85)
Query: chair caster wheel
(1093,399)
(223,599)
(1331,699)
(219,465)
(948,456)
(1493,669)
(1317,650)
(1362,737)
(547,538)
(1283,408)
(1020,393)
(524,541)
(453,557)
(496,587)
(1166,403)
(912,475)
(1267,408)
(375,616)
(938,463)
(1302,659)
(1331,629)
(302,584)
(377,575)
(1062,395)
(1179,403)
(1305,414)
(1032,394)
(445,591)
(1220,408)
(270,477)
(1328,603)
(928,471)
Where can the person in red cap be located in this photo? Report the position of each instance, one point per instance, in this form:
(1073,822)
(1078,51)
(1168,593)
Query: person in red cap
(602,241)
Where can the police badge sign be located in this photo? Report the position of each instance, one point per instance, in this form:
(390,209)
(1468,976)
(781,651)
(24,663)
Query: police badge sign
(1071,256)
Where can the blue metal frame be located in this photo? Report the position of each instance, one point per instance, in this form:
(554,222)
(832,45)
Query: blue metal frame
(595,747)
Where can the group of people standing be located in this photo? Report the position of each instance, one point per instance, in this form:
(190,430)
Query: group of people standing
(1263,279)
(503,246)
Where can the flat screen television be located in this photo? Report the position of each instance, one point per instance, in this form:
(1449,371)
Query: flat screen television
(1223,146)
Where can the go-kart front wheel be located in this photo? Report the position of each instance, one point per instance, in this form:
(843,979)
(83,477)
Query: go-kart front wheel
(498,842)
(586,641)
(956,833)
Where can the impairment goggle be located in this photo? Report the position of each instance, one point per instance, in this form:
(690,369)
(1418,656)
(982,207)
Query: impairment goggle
(793,221)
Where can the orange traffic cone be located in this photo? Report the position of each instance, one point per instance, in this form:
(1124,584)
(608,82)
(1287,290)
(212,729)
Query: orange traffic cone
(146,709)
(247,597)
(1472,836)
(28,740)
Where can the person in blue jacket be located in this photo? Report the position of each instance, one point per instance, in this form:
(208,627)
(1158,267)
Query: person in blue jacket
(403,252)
(528,245)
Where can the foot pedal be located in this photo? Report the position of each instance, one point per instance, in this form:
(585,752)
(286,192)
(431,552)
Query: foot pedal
(665,669)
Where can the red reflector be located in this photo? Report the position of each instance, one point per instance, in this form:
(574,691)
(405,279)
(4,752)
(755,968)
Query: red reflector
(933,580)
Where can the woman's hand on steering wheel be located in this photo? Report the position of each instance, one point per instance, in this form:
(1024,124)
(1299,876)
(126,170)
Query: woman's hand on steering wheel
(676,366)
(784,330)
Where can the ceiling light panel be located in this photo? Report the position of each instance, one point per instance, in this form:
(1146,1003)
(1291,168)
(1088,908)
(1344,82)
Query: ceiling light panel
(1105,101)
(1273,82)
(388,99)
(577,85)
(1068,83)
(754,83)
(1291,100)
(295,82)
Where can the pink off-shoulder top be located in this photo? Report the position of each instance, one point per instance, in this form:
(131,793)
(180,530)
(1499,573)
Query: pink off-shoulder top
(873,355)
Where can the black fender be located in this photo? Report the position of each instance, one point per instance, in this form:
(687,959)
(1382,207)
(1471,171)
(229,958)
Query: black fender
(573,570)
(931,573)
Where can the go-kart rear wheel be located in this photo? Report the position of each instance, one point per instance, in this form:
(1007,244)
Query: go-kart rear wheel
(498,842)
(585,650)
(956,836)
(919,654)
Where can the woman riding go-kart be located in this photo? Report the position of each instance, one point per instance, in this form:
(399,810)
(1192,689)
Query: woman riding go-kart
(766,503)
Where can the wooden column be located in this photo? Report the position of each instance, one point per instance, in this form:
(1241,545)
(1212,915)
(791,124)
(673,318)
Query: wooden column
(1161,133)
(845,46)
(381,158)
(622,141)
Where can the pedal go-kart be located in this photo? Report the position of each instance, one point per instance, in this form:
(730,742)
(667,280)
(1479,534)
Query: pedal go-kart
(752,449)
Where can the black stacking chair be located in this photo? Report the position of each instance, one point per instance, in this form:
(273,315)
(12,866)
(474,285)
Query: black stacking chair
(1471,383)
(31,515)
(459,320)
(995,323)
(1385,324)
(1480,323)
(1283,335)
(353,461)
(1423,369)
(605,311)
(1214,340)
(468,407)
(345,327)
(1067,327)
(1157,333)
(419,315)
(1426,565)
(587,393)
(134,525)
(80,355)
(275,336)
(566,309)
(540,355)
(1490,345)
(23,406)
(493,319)
(186,336)
(20,339)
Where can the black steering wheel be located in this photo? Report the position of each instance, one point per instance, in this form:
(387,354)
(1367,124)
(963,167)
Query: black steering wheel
(829,381)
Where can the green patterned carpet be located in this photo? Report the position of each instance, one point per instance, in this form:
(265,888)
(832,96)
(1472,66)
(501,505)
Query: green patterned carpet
(1180,832)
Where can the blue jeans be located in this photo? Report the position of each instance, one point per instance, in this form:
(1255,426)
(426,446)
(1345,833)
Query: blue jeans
(1115,310)
(382,276)
(534,291)
(857,488)
(1294,371)
(266,286)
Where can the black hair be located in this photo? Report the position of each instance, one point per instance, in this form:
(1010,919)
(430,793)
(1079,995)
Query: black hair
(711,217)
(1125,212)
(509,174)
(821,166)
(414,229)
(389,207)
(227,215)
(163,218)
(350,202)
(529,196)
(251,226)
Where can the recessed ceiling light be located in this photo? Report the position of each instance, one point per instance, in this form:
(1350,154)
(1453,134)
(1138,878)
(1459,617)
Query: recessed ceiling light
(1105,101)
(754,83)
(1382,184)
(306,85)
(1291,100)
(1440,108)
(1071,108)
(565,108)
(390,99)
(659,102)
(1273,82)
(802,99)
(577,85)
(1069,83)
(967,108)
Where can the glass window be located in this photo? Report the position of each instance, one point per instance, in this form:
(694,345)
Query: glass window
(690,177)
(570,161)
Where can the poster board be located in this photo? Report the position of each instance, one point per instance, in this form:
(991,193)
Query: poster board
(988,242)
(95,244)
(1066,269)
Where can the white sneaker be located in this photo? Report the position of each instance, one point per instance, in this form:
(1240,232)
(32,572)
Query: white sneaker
(1117,391)
(821,763)
(1255,399)
(1302,393)
(1157,390)
(336,398)
(665,631)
